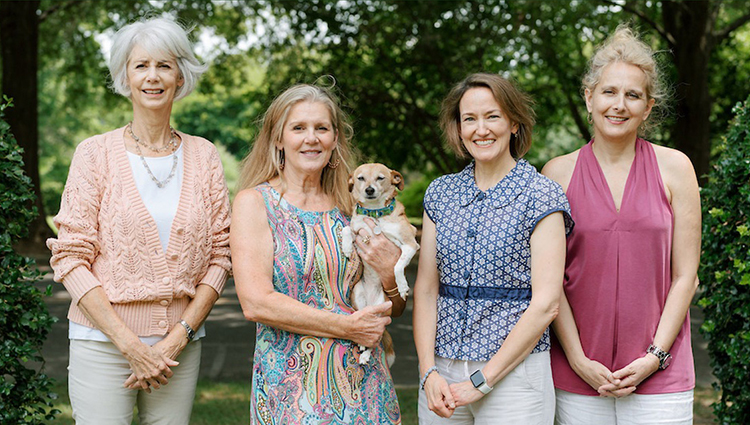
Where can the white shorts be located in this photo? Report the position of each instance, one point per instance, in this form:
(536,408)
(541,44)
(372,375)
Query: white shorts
(635,409)
(96,374)
(525,396)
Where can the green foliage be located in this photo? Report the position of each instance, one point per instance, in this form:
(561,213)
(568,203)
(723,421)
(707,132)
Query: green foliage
(725,272)
(25,395)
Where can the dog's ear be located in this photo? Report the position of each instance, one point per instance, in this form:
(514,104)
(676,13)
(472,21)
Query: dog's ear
(351,182)
(397,180)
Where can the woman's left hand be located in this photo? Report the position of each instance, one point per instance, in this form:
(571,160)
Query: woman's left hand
(624,381)
(464,393)
(376,250)
(171,346)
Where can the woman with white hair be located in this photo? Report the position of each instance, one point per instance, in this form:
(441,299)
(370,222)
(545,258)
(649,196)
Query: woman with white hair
(143,242)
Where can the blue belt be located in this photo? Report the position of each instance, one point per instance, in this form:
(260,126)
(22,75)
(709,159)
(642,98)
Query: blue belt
(486,293)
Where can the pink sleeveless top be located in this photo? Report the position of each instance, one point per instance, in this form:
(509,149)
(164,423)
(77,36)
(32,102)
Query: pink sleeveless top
(618,273)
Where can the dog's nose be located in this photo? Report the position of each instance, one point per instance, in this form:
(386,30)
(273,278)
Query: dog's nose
(370,190)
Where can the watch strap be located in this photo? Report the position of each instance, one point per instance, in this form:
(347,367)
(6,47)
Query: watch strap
(663,356)
(190,332)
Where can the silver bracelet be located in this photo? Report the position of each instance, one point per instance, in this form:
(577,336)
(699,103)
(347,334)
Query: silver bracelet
(427,375)
(190,332)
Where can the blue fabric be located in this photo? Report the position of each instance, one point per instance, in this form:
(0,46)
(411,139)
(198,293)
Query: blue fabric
(484,256)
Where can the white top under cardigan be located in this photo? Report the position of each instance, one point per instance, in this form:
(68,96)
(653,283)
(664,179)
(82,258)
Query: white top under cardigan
(161,203)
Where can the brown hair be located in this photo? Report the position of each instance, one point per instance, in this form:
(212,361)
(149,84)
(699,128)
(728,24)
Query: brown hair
(513,102)
(263,163)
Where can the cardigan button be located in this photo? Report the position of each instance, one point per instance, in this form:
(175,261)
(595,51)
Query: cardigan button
(173,256)
(164,303)
(166,280)
(467,274)
(180,230)
(163,324)
(480,197)
(471,233)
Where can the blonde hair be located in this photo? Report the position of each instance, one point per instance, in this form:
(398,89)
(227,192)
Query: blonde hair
(626,47)
(264,162)
(513,102)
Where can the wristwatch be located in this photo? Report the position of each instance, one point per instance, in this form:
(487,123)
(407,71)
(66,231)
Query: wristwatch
(190,332)
(664,358)
(477,378)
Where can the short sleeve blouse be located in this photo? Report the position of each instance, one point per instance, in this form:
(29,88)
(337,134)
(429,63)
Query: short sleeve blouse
(484,256)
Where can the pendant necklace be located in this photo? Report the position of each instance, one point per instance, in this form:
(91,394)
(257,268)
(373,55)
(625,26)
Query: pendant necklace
(171,144)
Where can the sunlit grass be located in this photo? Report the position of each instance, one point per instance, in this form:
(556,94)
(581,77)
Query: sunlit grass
(228,403)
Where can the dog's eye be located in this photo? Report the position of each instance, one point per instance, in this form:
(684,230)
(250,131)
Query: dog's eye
(361,178)
(380,178)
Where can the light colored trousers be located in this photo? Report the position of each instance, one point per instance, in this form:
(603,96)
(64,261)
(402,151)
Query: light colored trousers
(635,409)
(96,374)
(525,396)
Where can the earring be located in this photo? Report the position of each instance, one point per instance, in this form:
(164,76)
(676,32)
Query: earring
(589,118)
(334,164)
(281,160)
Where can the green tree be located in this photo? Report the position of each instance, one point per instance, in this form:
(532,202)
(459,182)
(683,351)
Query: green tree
(24,388)
(694,31)
(725,272)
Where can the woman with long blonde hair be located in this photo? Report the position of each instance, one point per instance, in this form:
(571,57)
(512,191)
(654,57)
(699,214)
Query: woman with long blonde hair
(293,279)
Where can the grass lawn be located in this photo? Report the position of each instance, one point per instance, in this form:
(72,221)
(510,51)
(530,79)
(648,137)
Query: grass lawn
(227,403)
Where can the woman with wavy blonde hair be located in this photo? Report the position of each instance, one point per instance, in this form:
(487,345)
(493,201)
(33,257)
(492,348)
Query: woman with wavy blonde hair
(622,353)
(293,279)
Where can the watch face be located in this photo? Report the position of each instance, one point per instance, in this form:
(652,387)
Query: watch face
(477,379)
(666,362)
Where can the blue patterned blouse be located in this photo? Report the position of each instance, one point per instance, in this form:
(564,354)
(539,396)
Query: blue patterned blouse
(484,256)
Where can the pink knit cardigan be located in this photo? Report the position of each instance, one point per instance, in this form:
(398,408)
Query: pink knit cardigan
(108,238)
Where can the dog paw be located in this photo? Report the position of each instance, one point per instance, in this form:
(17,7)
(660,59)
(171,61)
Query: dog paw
(404,293)
(347,241)
(364,358)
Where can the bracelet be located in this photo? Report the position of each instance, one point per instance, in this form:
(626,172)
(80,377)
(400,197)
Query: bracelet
(190,332)
(391,292)
(427,375)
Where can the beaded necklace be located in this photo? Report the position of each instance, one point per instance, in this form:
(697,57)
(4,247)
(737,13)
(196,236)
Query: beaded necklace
(171,144)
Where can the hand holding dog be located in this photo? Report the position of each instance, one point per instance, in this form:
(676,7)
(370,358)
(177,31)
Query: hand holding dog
(379,253)
(367,325)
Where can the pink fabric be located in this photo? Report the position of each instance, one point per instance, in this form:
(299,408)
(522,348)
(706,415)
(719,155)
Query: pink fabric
(108,238)
(618,273)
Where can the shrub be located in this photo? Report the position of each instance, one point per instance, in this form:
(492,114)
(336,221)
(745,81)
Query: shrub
(25,396)
(725,272)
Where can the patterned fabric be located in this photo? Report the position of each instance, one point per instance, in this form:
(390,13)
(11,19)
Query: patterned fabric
(484,256)
(108,238)
(300,379)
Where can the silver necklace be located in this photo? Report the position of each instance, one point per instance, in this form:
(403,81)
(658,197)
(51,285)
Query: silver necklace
(173,144)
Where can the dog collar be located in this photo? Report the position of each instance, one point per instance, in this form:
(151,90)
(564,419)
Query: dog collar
(377,213)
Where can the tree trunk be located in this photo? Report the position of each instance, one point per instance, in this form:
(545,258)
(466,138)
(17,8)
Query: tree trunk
(691,24)
(19,41)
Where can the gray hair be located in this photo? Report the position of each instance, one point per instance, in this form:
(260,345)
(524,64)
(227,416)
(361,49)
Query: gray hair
(160,37)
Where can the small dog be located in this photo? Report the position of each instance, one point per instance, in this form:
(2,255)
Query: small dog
(374,187)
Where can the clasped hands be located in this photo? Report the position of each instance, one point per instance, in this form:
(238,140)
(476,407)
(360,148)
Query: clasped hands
(444,398)
(151,365)
(619,383)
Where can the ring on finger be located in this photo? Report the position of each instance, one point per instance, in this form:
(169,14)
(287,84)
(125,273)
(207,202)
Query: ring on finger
(366,239)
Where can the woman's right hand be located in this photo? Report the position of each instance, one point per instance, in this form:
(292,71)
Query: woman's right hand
(368,324)
(151,367)
(439,396)
(594,373)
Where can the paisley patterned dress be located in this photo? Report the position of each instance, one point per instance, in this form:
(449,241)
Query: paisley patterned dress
(301,379)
